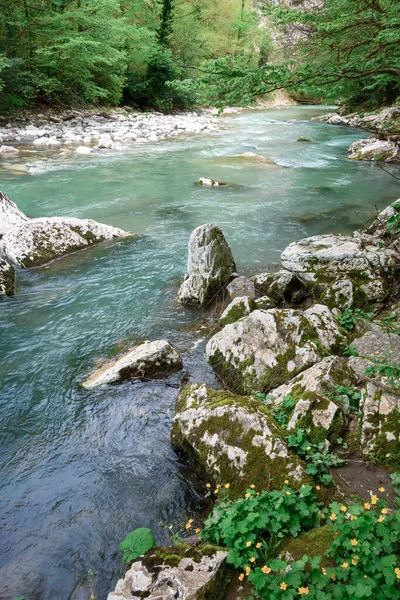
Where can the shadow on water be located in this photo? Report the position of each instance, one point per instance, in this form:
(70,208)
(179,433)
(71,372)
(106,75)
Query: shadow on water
(80,469)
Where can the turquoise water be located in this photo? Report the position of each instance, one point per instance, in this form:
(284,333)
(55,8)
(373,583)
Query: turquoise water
(80,469)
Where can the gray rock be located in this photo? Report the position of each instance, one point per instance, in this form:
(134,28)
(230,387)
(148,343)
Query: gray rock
(378,342)
(241,286)
(151,359)
(10,214)
(270,347)
(8,150)
(193,578)
(210,265)
(311,391)
(345,293)
(239,307)
(7,279)
(373,149)
(380,227)
(233,439)
(282,286)
(39,241)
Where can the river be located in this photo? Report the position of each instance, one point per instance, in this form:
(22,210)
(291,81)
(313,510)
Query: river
(80,469)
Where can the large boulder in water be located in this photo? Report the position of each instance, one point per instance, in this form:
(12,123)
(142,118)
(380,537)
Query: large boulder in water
(7,278)
(210,265)
(269,347)
(10,214)
(373,149)
(39,241)
(233,439)
(151,359)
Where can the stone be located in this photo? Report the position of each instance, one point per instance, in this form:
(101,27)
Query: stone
(379,426)
(105,141)
(380,227)
(372,149)
(10,214)
(283,287)
(8,150)
(239,307)
(270,347)
(151,359)
(39,241)
(83,150)
(210,266)
(7,279)
(163,575)
(378,342)
(210,182)
(322,259)
(233,439)
(263,302)
(241,286)
(345,293)
(311,391)
(46,141)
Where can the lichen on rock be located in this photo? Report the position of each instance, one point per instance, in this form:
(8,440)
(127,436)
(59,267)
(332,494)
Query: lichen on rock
(7,279)
(233,439)
(10,214)
(270,347)
(283,287)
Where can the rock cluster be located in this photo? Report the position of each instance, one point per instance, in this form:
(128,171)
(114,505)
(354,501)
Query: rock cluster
(115,129)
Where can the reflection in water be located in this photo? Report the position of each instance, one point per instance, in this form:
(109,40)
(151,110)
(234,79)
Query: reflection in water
(79,469)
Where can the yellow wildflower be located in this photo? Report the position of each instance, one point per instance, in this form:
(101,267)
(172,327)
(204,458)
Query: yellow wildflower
(197,530)
(216,491)
(241,577)
(397,571)
(381,489)
(354,542)
(308,448)
(343,508)
(252,486)
(367,505)
(353,518)
(333,517)
(247,495)
(227,486)
(247,570)
(170,527)
(248,544)
(354,561)
(323,571)
(283,586)
(381,519)
(92,597)
(259,545)
(384,511)
(303,590)
(253,559)
(333,577)
(345,565)
(288,493)
(317,487)
(286,482)
(374,499)
(189,524)
(208,485)
(266,569)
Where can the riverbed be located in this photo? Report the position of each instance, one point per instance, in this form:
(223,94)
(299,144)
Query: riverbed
(80,469)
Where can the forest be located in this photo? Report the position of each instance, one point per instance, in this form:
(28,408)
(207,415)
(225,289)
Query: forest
(168,55)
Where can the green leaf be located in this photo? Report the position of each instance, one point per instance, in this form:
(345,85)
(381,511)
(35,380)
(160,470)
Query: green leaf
(136,543)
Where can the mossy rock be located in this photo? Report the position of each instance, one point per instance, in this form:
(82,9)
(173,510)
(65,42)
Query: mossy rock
(313,543)
(233,439)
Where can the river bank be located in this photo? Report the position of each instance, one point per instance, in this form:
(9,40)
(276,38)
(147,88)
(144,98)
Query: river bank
(81,468)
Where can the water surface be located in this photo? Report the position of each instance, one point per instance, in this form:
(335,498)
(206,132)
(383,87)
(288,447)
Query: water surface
(80,469)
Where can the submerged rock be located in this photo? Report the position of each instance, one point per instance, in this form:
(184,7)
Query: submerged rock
(269,347)
(177,573)
(233,439)
(10,214)
(151,359)
(8,150)
(282,287)
(373,149)
(311,393)
(241,286)
(211,182)
(39,241)
(7,279)
(210,265)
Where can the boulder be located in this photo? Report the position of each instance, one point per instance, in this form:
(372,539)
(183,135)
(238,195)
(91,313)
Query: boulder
(8,150)
(241,286)
(7,279)
(345,293)
(105,141)
(83,150)
(270,347)
(379,427)
(39,241)
(282,287)
(312,392)
(322,259)
(373,149)
(239,307)
(10,214)
(378,342)
(46,141)
(151,359)
(176,573)
(233,439)
(204,181)
(210,265)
